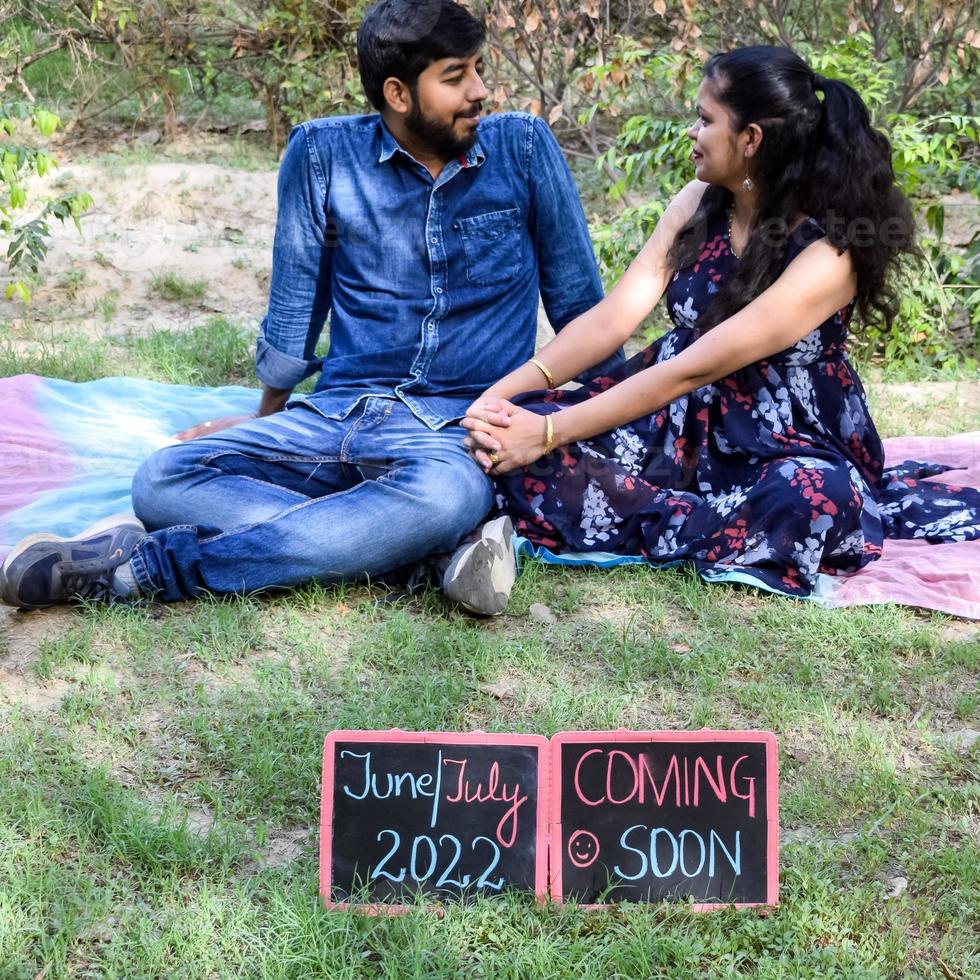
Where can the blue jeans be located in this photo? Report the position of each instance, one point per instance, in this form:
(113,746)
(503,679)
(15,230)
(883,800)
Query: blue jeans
(297,496)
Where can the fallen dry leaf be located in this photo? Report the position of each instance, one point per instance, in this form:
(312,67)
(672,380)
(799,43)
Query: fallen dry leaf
(896,887)
(501,690)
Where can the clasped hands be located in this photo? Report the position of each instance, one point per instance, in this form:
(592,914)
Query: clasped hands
(503,436)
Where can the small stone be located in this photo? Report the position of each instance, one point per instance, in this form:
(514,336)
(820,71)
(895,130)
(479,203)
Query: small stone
(199,821)
(798,835)
(540,613)
(501,690)
(802,754)
(896,886)
(149,138)
(959,631)
(964,739)
(681,648)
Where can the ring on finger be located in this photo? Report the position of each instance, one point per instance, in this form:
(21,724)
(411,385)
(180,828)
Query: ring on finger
(494,458)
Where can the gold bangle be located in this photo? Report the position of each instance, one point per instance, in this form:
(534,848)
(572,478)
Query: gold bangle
(548,376)
(549,437)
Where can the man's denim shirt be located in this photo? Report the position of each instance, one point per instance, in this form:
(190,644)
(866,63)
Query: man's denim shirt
(431,285)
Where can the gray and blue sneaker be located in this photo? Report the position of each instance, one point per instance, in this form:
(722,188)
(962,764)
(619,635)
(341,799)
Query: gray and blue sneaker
(481,573)
(44,570)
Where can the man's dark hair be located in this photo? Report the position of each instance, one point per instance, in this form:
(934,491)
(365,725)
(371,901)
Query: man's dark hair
(401,38)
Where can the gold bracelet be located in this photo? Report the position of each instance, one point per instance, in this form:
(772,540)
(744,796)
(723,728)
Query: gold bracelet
(549,377)
(549,438)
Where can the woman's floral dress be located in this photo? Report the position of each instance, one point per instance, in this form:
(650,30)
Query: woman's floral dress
(775,471)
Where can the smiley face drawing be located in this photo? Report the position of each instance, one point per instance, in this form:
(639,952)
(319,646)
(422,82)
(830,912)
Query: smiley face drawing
(583,848)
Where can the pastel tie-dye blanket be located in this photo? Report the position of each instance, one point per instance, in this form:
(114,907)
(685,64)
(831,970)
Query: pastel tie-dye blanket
(69,452)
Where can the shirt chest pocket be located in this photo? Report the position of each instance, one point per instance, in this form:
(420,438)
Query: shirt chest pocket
(493,245)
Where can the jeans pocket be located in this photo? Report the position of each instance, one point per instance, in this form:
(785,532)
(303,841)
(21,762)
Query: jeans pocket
(492,244)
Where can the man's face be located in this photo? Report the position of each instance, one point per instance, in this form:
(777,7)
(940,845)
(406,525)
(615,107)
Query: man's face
(446,107)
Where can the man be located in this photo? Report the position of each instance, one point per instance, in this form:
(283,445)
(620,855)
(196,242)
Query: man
(426,233)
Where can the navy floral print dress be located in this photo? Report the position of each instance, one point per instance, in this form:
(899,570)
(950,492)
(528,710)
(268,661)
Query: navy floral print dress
(775,471)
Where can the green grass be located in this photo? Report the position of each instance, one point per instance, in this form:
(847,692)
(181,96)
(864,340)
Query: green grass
(138,814)
(216,349)
(171,287)
(214,352)
(154,759)
(54,356)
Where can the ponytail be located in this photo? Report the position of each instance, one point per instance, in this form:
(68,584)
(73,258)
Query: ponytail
(818,157)
(852,194)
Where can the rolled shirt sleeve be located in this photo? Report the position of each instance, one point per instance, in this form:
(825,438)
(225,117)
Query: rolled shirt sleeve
(299,290)
(569,276)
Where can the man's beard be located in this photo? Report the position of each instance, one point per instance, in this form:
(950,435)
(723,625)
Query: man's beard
(439,137)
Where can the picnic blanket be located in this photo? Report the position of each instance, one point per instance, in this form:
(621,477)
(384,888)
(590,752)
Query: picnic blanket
(69,452)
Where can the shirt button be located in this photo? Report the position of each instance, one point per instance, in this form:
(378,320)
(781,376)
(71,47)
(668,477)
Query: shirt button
(439,290)
(434,240)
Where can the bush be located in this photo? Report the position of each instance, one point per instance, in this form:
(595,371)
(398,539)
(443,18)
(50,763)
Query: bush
(151,60)
(28,240)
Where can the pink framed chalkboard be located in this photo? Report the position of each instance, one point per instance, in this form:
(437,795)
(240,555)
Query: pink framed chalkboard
(431,815)
(644,816)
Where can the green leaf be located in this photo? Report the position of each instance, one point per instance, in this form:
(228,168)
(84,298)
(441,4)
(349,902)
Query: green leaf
(43,163)
(19,290)
(46,122)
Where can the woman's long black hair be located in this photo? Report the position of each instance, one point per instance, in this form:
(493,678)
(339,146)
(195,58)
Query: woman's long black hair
(818,157)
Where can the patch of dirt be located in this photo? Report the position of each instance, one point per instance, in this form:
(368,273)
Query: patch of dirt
(960,631)
(197,220)
(222,676)
(21,633)
(19,688)
(962,739)
(505,688)
(918,394)
(199,820)
(618,616)
(962,217)
(283,847)
(812,836)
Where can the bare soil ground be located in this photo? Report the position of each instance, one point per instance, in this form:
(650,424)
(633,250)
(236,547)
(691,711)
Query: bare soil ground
(199,221)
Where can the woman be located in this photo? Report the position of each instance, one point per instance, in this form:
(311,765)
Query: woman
(742,438)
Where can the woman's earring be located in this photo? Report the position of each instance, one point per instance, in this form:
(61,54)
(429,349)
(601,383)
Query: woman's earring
(748,184)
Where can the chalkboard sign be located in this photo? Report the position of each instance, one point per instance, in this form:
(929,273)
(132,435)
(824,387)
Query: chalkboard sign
(444,816)
(648,816)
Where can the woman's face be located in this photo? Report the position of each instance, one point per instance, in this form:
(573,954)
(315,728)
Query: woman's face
(717,156)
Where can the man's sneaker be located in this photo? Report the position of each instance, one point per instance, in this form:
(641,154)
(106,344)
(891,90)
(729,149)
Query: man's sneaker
(43,569)
(481,573)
